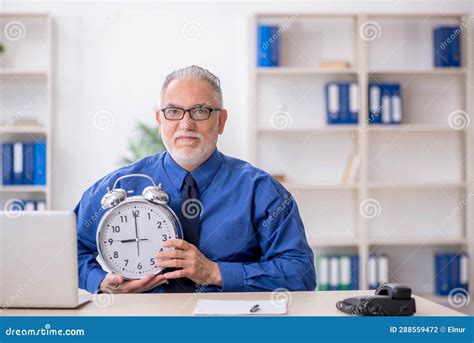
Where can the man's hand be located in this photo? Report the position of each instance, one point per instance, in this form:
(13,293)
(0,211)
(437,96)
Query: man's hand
(194,264)
(114,283)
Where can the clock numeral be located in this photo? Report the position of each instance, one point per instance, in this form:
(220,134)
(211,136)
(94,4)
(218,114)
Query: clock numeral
(149,215)
(123,219)
(152,261)
(139,266)
(136,213)
(115,254)
(159,225)
(165,238)
(111,241)
(126,262)
(161,250)
(115,229)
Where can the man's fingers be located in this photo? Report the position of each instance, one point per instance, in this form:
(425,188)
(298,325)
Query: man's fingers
(133,285)
(175,263)
(171,254)
(115,279)
(178,243)
(176,274)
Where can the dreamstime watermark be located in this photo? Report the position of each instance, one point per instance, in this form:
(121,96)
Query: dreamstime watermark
(44,331)
(370,30)
(97,214)
(459,120)
(288,200)
(14,208)
(455,212)
(281,119)
(356,133)
(459,297)
(20,291)
(370,208)
(189,300)
(464,23)
(103,120)
(192,30)
(16,118)
(103,299)
(280,297)
(14,30)
(191,208)
(266,44)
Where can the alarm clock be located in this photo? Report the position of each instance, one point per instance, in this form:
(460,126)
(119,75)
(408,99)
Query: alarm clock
(134,228)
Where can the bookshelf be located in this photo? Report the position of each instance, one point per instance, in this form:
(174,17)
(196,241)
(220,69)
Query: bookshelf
(417,171)
(26,74)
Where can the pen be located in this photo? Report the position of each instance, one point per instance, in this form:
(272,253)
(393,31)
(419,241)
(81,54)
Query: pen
(254,308)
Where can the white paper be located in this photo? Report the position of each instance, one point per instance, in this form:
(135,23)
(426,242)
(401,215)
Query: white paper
(239,307)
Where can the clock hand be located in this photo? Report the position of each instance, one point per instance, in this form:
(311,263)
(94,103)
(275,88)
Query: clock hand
(133,240)
(136,236)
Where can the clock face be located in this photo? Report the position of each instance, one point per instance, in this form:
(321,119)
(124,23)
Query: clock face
(131,234)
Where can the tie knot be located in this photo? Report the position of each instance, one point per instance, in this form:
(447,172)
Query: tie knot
(189,180)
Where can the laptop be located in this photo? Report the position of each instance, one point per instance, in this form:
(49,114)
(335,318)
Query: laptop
(38,260)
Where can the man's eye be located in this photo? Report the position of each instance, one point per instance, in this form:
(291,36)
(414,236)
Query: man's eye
(173,111)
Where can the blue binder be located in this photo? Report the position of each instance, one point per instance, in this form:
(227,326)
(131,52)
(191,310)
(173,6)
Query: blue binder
(447,46)
(442,272)
(7,163)
(28,163)
(18,163)
(332,102)
(268,46)
(354,272)
(40,163)
(375,103)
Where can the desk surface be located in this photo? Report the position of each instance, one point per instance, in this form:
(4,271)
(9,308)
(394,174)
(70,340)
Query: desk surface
(301,304)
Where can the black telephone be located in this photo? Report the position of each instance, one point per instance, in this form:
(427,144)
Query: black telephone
(391,299)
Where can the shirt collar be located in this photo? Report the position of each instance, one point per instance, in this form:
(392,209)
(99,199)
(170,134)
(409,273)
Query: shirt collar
(203,174)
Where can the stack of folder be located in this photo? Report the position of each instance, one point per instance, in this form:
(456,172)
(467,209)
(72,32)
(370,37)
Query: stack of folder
(24,163)
(337,272)
(450,272)
(27,205)
(342,102)
(385,103)
(378,271)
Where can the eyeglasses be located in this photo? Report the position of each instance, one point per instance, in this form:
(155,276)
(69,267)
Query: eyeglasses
(196,113)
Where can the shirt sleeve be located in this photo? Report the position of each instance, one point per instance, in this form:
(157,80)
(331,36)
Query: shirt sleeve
(287,261)
(88,213)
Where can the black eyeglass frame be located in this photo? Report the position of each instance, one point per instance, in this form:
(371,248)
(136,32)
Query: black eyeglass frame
(211,109)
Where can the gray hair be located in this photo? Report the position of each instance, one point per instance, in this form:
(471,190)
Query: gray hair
(197,73)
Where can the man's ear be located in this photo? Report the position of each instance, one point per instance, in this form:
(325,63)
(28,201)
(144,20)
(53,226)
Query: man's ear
(222,120)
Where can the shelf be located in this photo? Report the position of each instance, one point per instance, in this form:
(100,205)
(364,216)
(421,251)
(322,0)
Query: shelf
(303,71)
(415,185)
(411,128)
(23,189)
(25,14)
(24,72)
(435,241)
(316,187)
(332,128)
(433,71)
(23,129)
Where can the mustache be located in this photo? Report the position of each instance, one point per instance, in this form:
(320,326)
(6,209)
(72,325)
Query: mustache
(193,134)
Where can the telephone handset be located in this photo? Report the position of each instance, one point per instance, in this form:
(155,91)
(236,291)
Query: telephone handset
(391,299)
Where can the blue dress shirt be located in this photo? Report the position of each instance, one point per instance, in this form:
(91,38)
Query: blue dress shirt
(250,224)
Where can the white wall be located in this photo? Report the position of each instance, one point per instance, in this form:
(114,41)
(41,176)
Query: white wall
(113,56)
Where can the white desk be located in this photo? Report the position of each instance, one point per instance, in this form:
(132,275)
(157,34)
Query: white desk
(301,304)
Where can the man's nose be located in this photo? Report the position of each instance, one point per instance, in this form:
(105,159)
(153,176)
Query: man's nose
(187,123)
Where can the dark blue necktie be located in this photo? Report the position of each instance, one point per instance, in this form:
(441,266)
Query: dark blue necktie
(188,215)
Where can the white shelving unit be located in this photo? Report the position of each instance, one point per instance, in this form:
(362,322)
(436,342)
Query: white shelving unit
(418,171)
(26,76)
